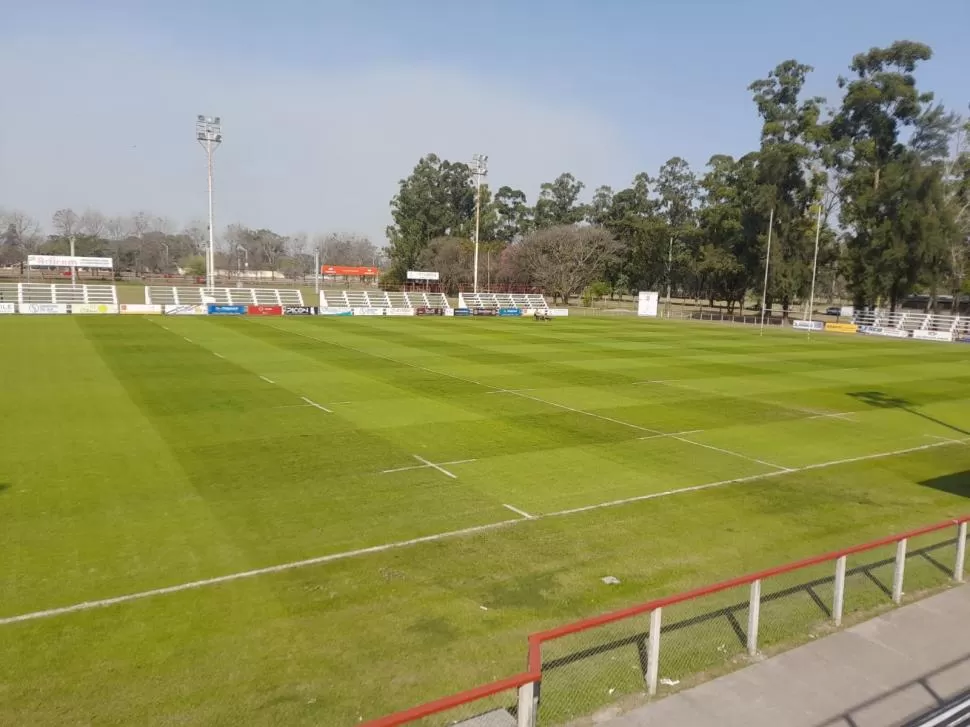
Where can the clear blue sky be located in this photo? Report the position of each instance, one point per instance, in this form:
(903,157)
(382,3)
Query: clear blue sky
(328,104)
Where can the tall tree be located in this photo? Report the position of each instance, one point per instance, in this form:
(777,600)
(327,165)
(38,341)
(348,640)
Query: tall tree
(559,202)
(436,200)
(513,216)
(677,189)
(566,258)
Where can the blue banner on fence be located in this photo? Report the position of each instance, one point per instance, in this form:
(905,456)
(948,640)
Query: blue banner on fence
(226,310)
(463,311)
(510,312)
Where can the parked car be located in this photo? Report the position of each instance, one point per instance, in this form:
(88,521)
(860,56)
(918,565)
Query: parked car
(833,310)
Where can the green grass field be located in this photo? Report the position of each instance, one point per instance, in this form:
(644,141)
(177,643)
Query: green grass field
(147,453)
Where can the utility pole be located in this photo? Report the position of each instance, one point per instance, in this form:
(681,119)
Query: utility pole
(208,132)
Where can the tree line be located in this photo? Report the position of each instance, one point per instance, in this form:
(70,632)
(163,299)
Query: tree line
(886,169)
(147,244)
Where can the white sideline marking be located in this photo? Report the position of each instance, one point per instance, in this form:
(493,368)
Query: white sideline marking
(268,381)
(517,511)
(734,454)
(425,466)
(672,434)
(88,605)
(313,403)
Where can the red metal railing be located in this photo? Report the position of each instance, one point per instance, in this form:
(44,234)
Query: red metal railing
(526,681)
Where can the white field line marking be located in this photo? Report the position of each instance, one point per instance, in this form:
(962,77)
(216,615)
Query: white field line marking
(291,406)
(313,403)
(438,467)
(495,389)
(425,466)
(268,381)
(187,339)
(507,391)
(944,439)
(672,434)
(88,605)
(843,415)
(517,511)
(733,454)
(218,354)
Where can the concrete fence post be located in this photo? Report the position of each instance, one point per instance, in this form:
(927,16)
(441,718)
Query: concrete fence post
(527,705)
(899,571)
(838,598)
(754,616)
(958,567)
(653,652)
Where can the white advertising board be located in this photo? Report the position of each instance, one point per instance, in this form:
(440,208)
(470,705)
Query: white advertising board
(141,309)
(93,308)
(369,311)
(933,335)
(559,312)
(400,311)
(43,308)
(185,310)
(69,261)
(647,303)
(808,325)
(8,308)
(422,275)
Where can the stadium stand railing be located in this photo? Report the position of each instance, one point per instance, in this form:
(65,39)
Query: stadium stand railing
(913,321)
(648,649)
(168,295)
(526,301)
(22,293)
(381,299)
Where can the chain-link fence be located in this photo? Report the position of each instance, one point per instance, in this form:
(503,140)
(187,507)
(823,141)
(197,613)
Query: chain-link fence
(618,660)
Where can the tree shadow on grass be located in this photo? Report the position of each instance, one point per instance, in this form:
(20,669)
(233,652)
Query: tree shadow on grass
(4,486)
(882,400)
(957,483)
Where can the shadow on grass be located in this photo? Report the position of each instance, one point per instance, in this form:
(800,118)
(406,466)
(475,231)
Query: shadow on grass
(4,486)
(714,640)
(957,483)
(881,400)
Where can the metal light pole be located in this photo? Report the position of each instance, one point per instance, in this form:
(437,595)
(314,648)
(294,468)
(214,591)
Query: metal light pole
(811,298)
(73,266)
(208,132)
(670,268)
(479,167)
(316,266)
(764,294)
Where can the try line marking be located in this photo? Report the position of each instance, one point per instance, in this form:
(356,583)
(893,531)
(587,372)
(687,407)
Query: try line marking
(282,567)
(523,513)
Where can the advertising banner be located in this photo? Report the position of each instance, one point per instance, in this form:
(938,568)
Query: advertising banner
(647,303)
(462,312)
(336,311)
(963,339)
(44,308)
(426,311)
(842,327)
(881,331)
(422,275)
(93,308)
(558,312)
(301,310)
(264,310)
(225,310)
(350,270)
(484,311)
(141,309)
(369,311)
(933,335)
(400,311)
(808,325)
(68,261)
(8,308)
(184,310)
(510,312)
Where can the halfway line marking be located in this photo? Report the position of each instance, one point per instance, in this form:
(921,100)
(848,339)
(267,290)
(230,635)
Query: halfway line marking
(313,403)
(89,605)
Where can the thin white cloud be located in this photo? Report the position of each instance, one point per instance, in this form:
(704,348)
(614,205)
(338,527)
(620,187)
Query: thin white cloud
(109,126)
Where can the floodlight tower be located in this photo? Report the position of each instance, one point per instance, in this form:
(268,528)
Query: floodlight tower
(479,167)
(208,132)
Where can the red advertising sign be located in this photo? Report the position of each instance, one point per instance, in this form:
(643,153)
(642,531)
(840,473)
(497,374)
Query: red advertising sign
(349,270)
(264,310)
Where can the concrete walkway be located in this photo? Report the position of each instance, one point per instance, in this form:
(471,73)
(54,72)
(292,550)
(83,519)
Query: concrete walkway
(881,673)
